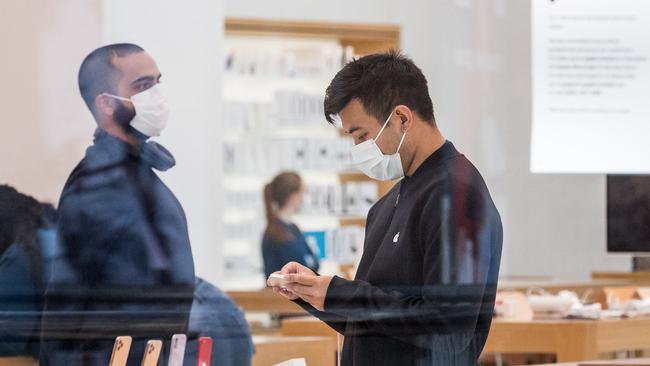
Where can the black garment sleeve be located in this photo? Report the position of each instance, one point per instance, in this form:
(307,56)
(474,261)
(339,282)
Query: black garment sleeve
(457,234)
(334,321)
(115,288)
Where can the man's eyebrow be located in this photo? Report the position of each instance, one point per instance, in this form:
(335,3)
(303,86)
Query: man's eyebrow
(353,129)
(146,78)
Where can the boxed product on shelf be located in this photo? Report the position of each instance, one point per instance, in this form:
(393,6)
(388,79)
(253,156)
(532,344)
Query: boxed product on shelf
(265,57)
(244,200)
(342,244)
(292,107)
(249,231)
(242,265)
(352,199)
(264,157)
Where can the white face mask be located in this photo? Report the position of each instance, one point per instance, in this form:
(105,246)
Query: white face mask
(368,158)
(151,110)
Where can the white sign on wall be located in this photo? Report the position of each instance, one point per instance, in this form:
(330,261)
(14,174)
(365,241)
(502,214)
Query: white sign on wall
(591,86)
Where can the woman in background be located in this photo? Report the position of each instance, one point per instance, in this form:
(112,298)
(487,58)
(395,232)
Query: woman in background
(283,242)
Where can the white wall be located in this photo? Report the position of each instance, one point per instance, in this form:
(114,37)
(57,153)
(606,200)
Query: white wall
(185,38)
(45,125)
(476,56)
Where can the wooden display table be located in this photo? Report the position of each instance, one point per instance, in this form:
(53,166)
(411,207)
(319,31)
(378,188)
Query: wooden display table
(18,361)
(629,362)
(570,340)
(264,301)
(594,286)
(306,326)
(317,351)
(642,276)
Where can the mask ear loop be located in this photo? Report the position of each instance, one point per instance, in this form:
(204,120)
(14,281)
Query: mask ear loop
(400,142)
(384,126)
(117,97)
(338,349)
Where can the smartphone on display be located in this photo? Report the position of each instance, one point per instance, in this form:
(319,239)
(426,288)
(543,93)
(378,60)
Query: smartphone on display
(121,349)
(205,351)
(278,280)
(151,353)
(177,351)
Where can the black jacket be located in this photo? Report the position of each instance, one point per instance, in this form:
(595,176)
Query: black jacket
(425,288)
(20,303)
(124,235)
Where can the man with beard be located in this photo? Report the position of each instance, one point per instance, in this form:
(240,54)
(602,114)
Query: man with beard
(121,230)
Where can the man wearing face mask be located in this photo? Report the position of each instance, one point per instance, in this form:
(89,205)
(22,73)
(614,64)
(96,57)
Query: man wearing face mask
(425,287)
(122,231)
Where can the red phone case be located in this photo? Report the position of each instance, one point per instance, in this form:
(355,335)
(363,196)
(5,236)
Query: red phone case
(205,351)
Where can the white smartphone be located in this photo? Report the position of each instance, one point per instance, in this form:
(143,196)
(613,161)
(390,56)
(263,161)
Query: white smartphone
(152,353)
(177,351)
(278,280)
(121,349)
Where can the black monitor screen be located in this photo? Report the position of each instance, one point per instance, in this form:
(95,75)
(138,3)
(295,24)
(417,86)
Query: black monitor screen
(628,213)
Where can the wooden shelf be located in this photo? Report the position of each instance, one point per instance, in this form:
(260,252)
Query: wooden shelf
(353,222)
(271,350)
(643,276)
(353,177)
(365,38)
(18,361)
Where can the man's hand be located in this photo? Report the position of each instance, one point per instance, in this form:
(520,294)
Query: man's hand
(290,268)
(280,290)
(305,284)
(296,268)
(309,287)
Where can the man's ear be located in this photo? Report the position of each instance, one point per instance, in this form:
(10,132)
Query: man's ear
(405,116)
(105,105)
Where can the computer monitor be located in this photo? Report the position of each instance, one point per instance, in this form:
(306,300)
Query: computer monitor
(628,213)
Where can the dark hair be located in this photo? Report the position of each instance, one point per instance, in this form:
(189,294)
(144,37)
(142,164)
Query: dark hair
(50,216)
(98,73)
(20,219)
(380,82)
(276,195)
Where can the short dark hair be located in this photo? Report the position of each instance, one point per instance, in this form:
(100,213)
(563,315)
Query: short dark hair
(20,219)
(98,73)
(380,82)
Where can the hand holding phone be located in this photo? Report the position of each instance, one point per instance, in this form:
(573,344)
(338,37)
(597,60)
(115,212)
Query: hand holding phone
(277,280)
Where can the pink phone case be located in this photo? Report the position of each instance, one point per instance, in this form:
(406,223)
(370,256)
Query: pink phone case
(205,351)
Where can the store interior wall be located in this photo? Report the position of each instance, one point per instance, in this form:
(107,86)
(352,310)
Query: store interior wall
(476,56)
(45,124)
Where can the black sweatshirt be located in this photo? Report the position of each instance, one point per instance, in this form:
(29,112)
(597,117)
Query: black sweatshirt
(425,287)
